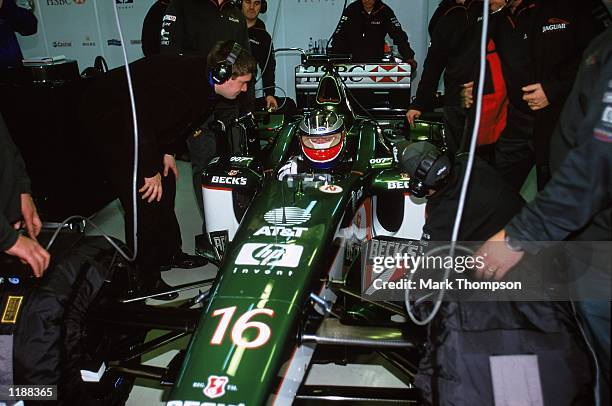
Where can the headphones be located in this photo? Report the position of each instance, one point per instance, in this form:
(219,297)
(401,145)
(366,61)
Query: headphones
(433,168)
(222,72)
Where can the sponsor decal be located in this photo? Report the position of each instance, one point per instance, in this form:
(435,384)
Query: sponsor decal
(289,216)
(228,180)
(219,240)
(381,248)
(233,19)
(555,24)
(280,231)
(169,17)
(1,280)
(113,42)
(282,255)
(377,162)
(197,403)
(135,42)
(124,4)
(397,185)
(404,176)
(88,43)
(607,115)
(232,172)
(11,310)
(62,44)
(215,387)
(14,280)
(603,135)
(241,159)
(59,2)
(331,189)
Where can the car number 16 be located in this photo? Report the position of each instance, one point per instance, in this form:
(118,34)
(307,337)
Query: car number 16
(242,324)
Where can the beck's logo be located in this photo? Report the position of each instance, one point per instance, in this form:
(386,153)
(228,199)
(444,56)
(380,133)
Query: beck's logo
(229,180)
(215,387)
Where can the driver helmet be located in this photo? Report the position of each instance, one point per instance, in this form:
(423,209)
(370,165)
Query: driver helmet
(322,137)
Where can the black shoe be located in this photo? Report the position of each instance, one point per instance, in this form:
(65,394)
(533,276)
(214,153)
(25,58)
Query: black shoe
(161,286)
(184,261)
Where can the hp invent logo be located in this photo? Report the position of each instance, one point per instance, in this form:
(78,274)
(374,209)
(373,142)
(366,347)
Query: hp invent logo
(269,253)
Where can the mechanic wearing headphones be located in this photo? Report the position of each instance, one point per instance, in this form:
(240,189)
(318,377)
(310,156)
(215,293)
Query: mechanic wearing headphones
(175,94)
(192,27)
(450,51)
(15,204)
(464,334)
(540,43)
(490,199)
(362,29)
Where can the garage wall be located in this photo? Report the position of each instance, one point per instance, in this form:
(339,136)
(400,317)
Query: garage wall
(83,31)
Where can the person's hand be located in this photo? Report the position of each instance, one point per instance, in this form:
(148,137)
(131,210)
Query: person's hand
(152,189)
(271,103)
(30,216)
(413,115)
(31,253)
(498,259)
(535,97)
(170,165)
(467,94)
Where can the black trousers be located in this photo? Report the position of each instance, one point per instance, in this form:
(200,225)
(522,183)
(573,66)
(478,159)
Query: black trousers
(514,154)
(158,232)
(454,127)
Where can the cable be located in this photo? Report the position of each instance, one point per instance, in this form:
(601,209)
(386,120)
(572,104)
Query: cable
(271,43)
(359,104)
(135,122)
(95,226)
(466,180)
(284,94)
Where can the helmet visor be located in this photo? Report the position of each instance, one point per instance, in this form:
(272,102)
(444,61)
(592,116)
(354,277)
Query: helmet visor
(321,142)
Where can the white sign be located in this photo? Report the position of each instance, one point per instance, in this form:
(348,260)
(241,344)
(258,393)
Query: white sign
(285,255)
